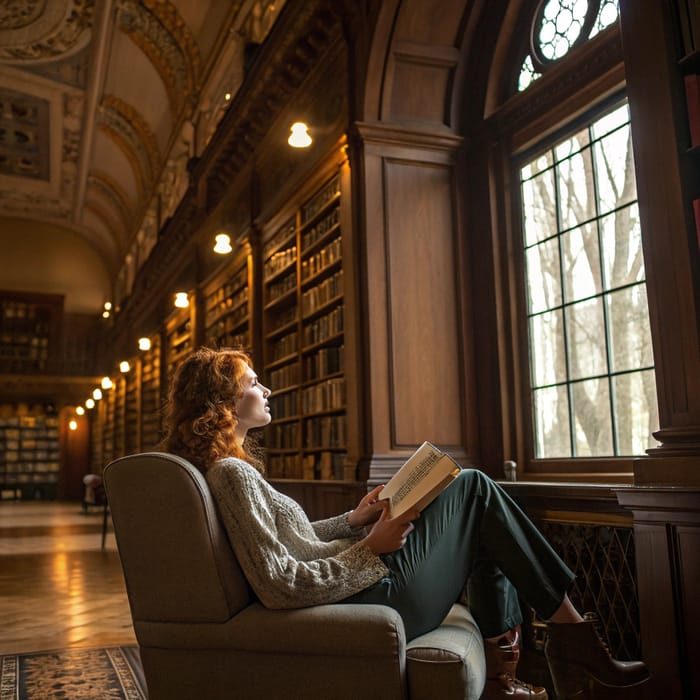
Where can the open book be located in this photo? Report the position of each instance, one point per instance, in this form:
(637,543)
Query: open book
(426,473)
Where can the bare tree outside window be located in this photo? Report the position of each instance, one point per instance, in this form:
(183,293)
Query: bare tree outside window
(592,373)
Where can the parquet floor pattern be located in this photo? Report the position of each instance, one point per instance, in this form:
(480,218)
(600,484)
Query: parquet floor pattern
(58,589)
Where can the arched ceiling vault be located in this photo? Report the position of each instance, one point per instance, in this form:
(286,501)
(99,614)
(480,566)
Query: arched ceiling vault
(101,105)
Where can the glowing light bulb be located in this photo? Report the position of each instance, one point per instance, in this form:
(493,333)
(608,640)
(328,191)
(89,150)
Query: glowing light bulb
(182,301)
(124,366)
(299,136)
(89,404)
(223,244)
(106,383)
(144,343)
(108,306)
(80,410)
(73,425)
(97,394)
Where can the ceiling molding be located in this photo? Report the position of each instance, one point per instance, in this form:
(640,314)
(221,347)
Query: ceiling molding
(123,125)
(35,31)
(107,186)
(157,28)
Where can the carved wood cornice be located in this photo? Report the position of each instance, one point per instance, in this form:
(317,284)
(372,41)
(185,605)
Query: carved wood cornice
(393,135)
(300,37)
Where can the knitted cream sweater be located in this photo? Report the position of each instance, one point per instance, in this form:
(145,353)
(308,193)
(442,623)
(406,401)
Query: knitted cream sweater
(288,561)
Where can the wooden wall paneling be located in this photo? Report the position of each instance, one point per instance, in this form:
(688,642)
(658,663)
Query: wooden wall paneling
(425,381)
(414,352)
(667,534)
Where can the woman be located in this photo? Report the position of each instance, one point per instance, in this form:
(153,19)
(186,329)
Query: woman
(473,537)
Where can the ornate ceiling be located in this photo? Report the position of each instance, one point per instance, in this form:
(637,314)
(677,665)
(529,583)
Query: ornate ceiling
(102,105)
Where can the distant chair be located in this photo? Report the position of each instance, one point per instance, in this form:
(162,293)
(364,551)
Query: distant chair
(202,633)
(95,495)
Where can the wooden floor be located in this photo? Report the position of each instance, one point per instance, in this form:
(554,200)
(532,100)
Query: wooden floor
(58,589)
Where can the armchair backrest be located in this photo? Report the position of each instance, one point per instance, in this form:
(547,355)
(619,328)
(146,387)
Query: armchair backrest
(177,561)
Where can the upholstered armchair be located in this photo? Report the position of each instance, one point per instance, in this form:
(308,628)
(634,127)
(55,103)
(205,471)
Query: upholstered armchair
(202,633)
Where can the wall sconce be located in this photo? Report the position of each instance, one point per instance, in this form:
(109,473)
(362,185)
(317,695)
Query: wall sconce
(124,366)
(80,410)
(182,301)
(97,394)
(72,425)
(90,403)
(144,343)
(106,383)
(223,244)
(299,136)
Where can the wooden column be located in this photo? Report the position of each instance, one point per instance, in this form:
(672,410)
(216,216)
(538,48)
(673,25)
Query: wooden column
(665,182)
(414,378)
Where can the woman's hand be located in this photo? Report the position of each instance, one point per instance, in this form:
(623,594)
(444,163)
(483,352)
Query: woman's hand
(368,509)
(389,534)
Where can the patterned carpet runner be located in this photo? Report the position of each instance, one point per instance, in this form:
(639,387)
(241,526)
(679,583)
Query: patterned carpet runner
(112,673)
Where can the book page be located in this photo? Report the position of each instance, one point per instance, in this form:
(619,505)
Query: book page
(424,472)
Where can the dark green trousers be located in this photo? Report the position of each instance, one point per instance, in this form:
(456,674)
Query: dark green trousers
(472,536)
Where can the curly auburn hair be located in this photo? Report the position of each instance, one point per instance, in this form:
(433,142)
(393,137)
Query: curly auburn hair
(200,412)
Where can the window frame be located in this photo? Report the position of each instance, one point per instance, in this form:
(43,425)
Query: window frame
(553,107)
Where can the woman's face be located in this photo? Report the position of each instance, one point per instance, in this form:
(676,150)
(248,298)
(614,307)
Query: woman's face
(253,410)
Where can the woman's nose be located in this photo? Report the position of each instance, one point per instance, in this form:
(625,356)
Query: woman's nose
(266,392)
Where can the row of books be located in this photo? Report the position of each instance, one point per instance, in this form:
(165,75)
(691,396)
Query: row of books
(284,286)
(10,454)
(324,465)
(325,396)
(237,301)
(285,346)
(279,261)
(284,406)
(322,293)
(30,478)
(325,327)
(283,318)
(317,232)
(324,362)
(288,375)
(320,261)
(284,435)
(325,431)
(32,466)
(320,200)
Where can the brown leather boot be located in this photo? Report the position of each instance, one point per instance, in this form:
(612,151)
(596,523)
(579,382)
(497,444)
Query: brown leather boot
(502,658)
(579,661)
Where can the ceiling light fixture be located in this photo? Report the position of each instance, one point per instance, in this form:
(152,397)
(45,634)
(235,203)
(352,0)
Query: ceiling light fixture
(124,366)
(223,244)
(72,425)
(144,343)
(106,383)
(182,301)
(80,410)
(90,403)
(299,136)
(97,394)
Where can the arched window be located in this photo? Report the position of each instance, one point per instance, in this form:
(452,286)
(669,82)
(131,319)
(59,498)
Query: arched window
(558,26)
(580,317)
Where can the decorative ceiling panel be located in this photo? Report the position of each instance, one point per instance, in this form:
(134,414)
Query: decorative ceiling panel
(24,127)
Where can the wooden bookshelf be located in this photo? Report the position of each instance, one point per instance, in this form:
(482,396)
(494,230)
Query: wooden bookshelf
(179,337)
(30,326)
(228,304)
(132,396)
(304,338)
(29,452)
(150,395)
